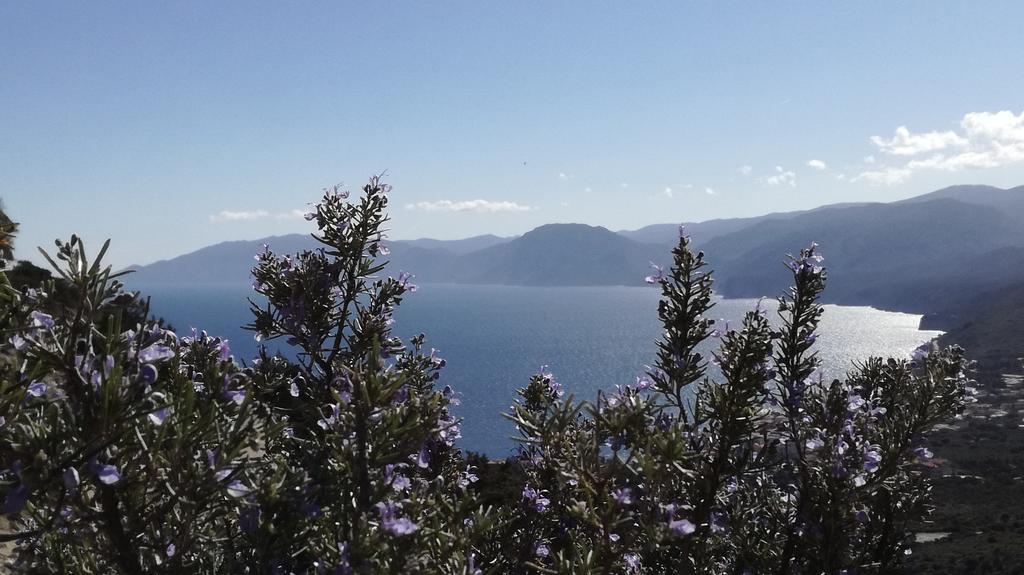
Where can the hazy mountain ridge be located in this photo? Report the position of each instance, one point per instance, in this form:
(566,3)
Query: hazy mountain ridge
(926,254)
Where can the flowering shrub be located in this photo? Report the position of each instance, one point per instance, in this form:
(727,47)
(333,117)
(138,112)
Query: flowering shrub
(125,448)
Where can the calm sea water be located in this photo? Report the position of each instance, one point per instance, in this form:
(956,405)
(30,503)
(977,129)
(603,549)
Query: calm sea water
(495,337)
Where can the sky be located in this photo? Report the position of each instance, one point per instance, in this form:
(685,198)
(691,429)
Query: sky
(170,126)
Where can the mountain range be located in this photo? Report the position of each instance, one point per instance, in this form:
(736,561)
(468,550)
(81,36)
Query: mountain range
(938,254)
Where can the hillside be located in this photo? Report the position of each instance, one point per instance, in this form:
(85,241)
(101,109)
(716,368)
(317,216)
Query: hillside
(933,254)
(886,255)
(554,254)
(1009,201)
(560,255)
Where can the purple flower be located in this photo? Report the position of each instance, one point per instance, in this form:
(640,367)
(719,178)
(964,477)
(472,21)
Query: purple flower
(155,352)
(107,474)
(862,515)
(717,522)
(657,276)
(872,459)
(19,342)
(398,526)
(294,390)
(235,395)
(623,496)
(40,319)
(71,479)
(223,350)
(855,403)
(534,499)
(158,416)
(36,388)
(423,459)
(466,478)
(632,560)
(171,550)
(403,280)
(681,527)
(237,489)
(923,453)
(331,419)
(815,443)
(148,374)
(394,525)
(542,550)
(400,483)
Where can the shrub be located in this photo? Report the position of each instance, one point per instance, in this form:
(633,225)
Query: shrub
(128,449)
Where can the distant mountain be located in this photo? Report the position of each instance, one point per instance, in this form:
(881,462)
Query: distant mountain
(554,254)
(702,232)
(699,232)
(230,262)
(887,255)
(459,247)
(931,254)
(1009,201)
(226,262)
(560,255)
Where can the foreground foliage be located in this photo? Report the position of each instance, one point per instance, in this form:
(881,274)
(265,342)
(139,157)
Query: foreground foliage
(127,448)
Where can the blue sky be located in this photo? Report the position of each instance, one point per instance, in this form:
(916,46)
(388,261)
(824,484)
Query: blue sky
(170,126)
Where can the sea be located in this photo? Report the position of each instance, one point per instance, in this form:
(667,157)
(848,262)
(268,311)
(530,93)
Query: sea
(495,337)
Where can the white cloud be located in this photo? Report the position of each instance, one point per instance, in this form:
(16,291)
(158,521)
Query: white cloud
(587,190)
(480,206)
(230,216)
(709,191)
(905,143)
(817,164)
(745,170)
(869,159)
(564,176)
(986,140)
(886,176)
(253,215)
(781,177)
(623,185)
(291,215)
(667,192)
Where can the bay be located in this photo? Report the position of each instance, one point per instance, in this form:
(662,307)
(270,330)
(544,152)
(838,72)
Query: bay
(495,337)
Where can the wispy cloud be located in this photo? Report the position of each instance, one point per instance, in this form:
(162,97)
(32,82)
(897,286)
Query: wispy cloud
(480,206)
(242,216)
(985,140)
(291,215)
(668,192)
(745,170)
(886,176)
(709,191)
(253,215)
(781,177)
(817,164)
